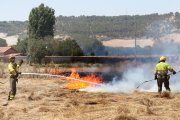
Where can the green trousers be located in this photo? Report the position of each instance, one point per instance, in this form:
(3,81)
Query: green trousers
(161,80)
(12,82)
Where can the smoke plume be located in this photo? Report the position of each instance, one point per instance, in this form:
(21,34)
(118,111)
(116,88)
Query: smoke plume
(133,78)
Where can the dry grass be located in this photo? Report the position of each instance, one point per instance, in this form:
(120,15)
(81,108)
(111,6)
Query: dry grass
(166,95)
(11,40)
(45,99)
(125,117)
(142,42)
(128,42)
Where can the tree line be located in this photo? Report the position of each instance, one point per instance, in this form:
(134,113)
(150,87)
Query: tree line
(124,26)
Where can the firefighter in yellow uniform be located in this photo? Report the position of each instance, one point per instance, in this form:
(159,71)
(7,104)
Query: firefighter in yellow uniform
(13,71)
(161,74)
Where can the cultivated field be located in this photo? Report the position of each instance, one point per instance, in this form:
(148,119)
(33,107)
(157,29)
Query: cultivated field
(11,40)
(142,42)
(128,42)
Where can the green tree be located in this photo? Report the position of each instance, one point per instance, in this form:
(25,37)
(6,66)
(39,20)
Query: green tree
(91,45)
(51,45)
(40,31)
(21,46)
(36,50)
(69,48)
(41,22)
(3,42)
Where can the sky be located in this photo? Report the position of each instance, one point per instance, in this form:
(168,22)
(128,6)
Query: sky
(12,10)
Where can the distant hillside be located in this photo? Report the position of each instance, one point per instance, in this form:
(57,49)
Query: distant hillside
(13,27)
(10,40)
(105,27)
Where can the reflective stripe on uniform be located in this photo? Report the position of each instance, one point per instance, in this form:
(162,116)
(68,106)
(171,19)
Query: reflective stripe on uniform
(11,97)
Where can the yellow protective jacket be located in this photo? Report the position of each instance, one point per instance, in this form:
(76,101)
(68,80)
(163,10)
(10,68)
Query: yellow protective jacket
(12,68)
(162,68)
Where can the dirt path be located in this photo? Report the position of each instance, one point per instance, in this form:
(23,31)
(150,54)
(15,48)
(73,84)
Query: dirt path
(45,99)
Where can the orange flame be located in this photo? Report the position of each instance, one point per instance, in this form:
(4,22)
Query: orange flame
(88,81)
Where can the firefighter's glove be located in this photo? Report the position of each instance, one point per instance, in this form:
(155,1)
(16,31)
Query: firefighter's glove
(155,77)
(174,72)
(17,75)
(21,62)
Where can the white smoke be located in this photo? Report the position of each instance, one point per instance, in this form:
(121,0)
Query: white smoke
(130,80)
(175,83)
(133,78)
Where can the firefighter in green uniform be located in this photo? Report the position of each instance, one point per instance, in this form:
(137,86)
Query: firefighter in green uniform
(161,74)
(13,71)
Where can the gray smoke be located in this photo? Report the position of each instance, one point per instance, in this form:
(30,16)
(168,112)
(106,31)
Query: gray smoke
(131,79)
(135,76)
(159,30)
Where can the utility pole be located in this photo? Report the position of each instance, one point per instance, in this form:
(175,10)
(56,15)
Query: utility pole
(135,42)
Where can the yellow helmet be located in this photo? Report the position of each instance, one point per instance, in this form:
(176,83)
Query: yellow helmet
(162,58)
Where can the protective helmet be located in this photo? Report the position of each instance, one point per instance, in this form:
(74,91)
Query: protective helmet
(162,58)
(11,57)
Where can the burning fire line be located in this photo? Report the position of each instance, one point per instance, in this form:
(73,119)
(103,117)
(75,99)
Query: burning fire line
(60,76)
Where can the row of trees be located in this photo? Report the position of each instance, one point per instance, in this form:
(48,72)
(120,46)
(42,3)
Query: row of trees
(3,42)
(125,26)
(40,40)
(13,27)
(111,26)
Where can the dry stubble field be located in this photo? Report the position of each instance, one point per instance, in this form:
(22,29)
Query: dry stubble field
(46,99)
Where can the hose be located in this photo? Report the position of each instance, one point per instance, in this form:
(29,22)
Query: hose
(153,80)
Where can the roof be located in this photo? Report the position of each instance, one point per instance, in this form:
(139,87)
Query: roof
(14,54)
(7,51)
(4,49)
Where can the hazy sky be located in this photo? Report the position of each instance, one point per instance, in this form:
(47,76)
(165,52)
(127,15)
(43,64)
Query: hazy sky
(20,9)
